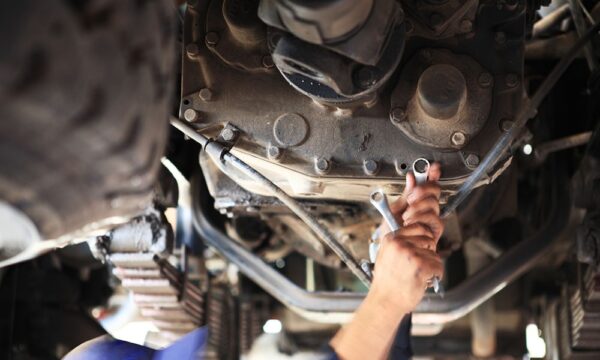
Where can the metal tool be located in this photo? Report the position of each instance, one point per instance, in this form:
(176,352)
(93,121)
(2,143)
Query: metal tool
(379,201)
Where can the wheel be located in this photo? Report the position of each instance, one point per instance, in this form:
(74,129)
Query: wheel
(85,90)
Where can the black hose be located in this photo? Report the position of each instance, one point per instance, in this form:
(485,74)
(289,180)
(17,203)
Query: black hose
(527,111)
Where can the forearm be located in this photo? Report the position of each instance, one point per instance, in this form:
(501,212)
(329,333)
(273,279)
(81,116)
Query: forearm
(371,332)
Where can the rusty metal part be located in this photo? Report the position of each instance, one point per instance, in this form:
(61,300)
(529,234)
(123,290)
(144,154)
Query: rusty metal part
(441,19)
(443,96)
(162,292)
(338,306)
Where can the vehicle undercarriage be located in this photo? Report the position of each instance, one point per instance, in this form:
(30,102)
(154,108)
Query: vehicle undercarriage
(289,114)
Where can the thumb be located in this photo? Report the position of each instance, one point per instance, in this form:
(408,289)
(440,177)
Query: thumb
(410,184)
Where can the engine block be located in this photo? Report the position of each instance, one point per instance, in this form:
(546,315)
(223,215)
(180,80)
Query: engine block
(448,84)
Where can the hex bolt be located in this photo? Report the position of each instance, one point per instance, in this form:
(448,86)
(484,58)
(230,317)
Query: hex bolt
(228,134)
(397,114)
(274,152)
(365,78)
(436,19)
(211,38)
(190,115)
(458,139)
(466,26)
(426,54)
(506,125)
(370,166)
(267,61)
(485,79)
(472,160)
(512,80)
(205,94)
(322,165)
(500,38)
(192,50)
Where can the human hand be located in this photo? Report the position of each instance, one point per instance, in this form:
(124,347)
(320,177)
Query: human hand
(406,259)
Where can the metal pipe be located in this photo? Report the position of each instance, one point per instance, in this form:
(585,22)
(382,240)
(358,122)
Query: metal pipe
(567,142)
(222,154)
(580,26)
(502,147)
(337,307)
(547,22)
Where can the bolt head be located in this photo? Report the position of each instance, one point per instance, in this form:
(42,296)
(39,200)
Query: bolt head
(211,38)
(365,78)
(267,61)
(190,115)
(192,50)
(500,38)
(370,166)
(228,134)
(485,79)
(274,152)
(436,19)
(512,80)
(506,124)
(322,165)
(205,94)
(466,26)
(397,114)
(472,160)
(458,139)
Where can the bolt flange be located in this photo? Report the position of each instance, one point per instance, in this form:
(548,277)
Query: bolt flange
(322,165)
(370,167)
(458,139)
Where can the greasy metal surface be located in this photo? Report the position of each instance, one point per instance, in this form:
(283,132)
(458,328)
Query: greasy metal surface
(346,139)
(467,104)
(339,306)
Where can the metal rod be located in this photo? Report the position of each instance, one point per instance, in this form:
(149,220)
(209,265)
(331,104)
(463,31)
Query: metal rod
(528,109)
(295,206)
(567,142)
(337,307)
(547,22)
(580,26)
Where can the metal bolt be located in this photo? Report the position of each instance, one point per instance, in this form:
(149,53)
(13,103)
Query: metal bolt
(322,165)
(436,19)
(192,50)
(512,80)
(205,94)
(370,167)
(511,4)
(485,79)
(500,38)
(228,134)
(267,61)
(274,152)
(211,38)
(472,160)
(190,115)
(426,54)
(506,124)
(466,26)
(365,78)
(397,114)
(409,27)
(458,139)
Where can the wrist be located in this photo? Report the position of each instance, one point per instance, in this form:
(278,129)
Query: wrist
(382,303)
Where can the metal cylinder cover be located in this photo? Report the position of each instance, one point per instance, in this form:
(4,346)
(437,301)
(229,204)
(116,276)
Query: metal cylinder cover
(444,99)
(441,91)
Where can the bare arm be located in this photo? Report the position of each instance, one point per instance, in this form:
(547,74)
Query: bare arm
(405,262)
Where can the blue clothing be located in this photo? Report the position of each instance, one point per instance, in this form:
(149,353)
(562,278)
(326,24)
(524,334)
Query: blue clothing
(192,346)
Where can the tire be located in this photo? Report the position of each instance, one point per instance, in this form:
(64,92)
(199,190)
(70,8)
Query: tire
(85,90)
